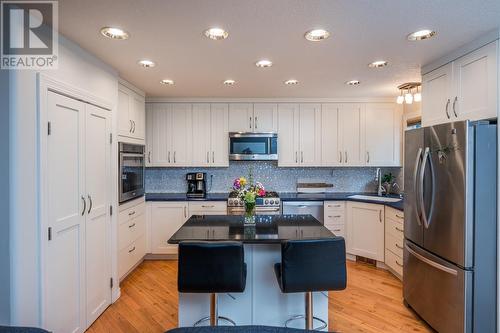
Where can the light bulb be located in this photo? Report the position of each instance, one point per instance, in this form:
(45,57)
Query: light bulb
(417,97)
(408,98)
(400,99)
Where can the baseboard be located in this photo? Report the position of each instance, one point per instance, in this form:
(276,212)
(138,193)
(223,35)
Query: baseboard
(151,256)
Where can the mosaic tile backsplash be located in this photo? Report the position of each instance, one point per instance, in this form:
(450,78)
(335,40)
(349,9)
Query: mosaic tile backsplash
(172,180)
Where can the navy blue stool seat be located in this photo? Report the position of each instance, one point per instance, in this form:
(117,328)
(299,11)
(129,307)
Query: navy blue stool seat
(311,265)
(211,267)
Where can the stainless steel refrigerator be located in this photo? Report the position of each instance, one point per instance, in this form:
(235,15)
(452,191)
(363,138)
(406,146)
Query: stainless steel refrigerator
(450,252)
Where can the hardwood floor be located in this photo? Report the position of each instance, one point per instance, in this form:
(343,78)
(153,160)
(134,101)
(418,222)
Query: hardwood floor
(371,303)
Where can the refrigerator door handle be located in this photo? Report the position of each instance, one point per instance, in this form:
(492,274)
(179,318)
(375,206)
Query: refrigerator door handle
(430,262)
(415,177)
(421,187)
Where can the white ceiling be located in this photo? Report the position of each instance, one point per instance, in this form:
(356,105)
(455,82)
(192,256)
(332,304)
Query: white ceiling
(170,32)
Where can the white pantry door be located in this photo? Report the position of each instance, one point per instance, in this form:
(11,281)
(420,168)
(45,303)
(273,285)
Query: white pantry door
(64,307)
(98,220)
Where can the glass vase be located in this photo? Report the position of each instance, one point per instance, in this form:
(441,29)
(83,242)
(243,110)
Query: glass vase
(249,213)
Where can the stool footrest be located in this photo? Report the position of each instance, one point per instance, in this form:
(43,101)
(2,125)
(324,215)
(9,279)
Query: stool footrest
(205,319)
(319,328)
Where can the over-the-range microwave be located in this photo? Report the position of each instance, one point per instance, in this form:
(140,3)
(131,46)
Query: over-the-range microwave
(253,146)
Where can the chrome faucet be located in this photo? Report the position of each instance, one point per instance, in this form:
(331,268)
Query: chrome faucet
(378,179)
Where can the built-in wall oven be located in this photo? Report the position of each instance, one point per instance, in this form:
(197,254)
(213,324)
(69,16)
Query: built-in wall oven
(250,146)
(131,171)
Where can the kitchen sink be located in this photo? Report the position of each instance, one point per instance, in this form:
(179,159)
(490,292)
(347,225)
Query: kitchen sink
(374,198)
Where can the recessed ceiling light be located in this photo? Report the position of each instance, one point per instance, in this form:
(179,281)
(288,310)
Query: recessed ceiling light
(353,83)
(146,63)
(378,64)
(421,35)
(167,82)
(291,82)
(216,33)
(229,82)
(317,35)
(114,33)
(264,63)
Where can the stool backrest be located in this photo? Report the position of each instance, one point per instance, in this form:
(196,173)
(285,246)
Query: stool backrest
(313,265)
(211,267)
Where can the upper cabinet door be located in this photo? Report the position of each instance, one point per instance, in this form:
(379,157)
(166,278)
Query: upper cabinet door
(382,133)
(265,117)
(351,121)
(436,96)
(310,134)
(181,129)
(124,123)
(330,153)
(138,116)
(219,135)
(288,134)
(241,117)
(476,87)
(159,134)
(201,151)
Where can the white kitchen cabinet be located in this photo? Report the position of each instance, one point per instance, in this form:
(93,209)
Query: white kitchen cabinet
(219,135)
(382,134)
(350,125)
(330,153)
(131,115)
(248,117)
(394,240)
(169,141)
(299,135)
(207,208)
(165,219)
(365,230)
(201,148)
(466,88)
(76,203)
(131,235)
(241,117)
(334,217)
(265,117)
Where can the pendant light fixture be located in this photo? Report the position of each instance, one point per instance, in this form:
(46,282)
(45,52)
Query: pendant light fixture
(406,95)
(401,98)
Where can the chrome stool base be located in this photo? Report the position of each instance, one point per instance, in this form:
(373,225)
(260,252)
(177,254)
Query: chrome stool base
(214,317)
(207,319)
(319,328)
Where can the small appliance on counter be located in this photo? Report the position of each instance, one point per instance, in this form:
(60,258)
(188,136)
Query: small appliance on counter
(196,185)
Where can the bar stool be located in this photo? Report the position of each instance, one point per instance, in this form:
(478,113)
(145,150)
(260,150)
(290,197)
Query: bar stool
(211,267)
(311,265)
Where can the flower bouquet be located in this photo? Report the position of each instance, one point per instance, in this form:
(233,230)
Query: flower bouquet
(248,191)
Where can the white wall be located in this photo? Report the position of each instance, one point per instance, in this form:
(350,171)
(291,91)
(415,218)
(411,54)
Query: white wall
(78,69)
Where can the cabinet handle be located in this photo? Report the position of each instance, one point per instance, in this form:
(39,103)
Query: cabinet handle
(336,206)
(185,212)
(207,206)
(296,158)
(213,157)
(149,156)
(131,213)
(132,225)
(367,157)
(131,125)
(399,216)
(337,230)
(340,157)
(301,157)
(399,246)
(250,123)
(399,229)
(346,156)
(255,123)
(132,250)
(84,205)
(454,109)
(208,157)
(174,157)
(168,157)
(446,108)
(90,204)
(400,265)
(380,215)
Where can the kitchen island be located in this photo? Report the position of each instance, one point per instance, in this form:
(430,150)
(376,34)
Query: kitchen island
(262,302)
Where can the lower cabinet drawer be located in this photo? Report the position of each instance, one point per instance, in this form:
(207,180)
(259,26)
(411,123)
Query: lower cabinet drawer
(130,255)
(337,229)
(394,244)
(208,208)
(334,217)
(131,230)
(394,262)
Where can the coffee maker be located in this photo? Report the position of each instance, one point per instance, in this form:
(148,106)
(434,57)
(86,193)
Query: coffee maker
(196,185)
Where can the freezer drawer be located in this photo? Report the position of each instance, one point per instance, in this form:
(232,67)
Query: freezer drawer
(440,292)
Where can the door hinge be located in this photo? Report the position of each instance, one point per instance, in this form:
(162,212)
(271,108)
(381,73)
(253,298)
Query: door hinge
(110,138)
(111,283)
(49,233)
(49,128)
(110,210)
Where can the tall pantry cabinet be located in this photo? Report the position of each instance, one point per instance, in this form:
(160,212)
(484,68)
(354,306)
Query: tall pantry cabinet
(76,199)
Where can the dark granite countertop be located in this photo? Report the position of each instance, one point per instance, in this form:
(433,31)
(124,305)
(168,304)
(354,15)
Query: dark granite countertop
(284,196)
(268,229)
